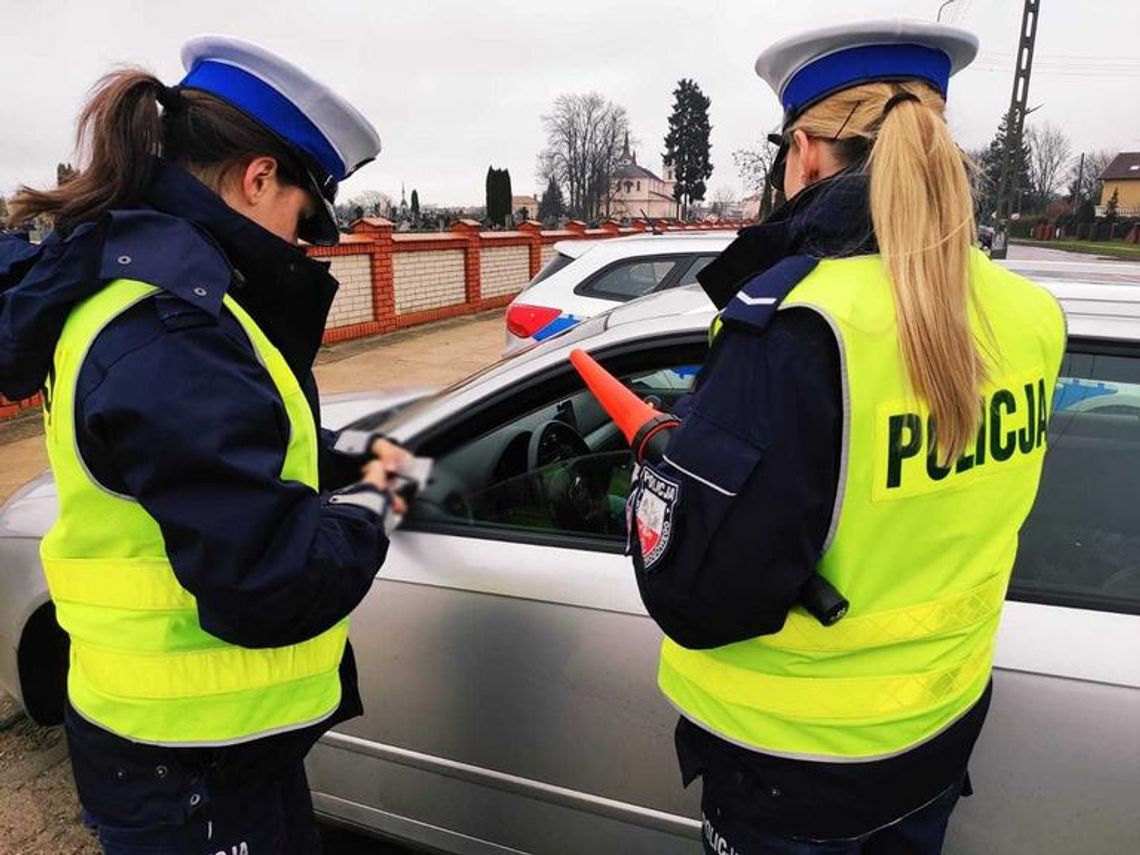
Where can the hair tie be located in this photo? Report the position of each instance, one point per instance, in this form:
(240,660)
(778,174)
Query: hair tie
(170,97)
(897,99)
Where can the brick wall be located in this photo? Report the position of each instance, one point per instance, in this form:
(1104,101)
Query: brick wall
(429,280)
(353,302)
(389,281)
(504,270)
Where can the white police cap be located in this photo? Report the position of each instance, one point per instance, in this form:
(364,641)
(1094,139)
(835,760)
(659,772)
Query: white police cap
(807,67)
(331,136)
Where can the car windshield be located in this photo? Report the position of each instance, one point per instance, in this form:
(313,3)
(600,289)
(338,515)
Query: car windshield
(391,420)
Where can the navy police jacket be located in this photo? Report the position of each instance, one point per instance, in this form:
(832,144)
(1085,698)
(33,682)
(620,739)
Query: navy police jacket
(174,408)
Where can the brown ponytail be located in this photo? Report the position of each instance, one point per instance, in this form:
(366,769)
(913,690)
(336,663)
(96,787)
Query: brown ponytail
(923,214)
(120,130)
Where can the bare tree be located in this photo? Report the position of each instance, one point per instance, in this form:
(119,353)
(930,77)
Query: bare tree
(584,139)
(722,200)
(1049,150)
(754,165)
(373,202)
(367,203)
(1084,181)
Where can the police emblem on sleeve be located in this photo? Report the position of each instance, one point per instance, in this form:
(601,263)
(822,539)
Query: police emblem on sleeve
(653,514)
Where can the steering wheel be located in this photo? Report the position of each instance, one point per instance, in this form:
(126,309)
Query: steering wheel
(553,442)
(577,491)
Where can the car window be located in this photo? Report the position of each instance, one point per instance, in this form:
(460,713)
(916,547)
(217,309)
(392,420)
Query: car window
(629,279)
(1080,546)
(550,268)
(690,276)
(559,469)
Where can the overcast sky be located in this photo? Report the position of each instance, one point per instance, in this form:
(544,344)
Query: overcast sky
(456,86)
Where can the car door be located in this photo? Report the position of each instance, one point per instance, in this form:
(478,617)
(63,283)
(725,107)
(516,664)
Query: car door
(1057,768)
(507,666)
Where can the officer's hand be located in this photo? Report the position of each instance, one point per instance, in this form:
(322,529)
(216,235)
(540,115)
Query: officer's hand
(375,472)
(388,453)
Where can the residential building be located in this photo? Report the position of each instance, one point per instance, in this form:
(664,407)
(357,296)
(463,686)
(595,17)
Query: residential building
(1121,176)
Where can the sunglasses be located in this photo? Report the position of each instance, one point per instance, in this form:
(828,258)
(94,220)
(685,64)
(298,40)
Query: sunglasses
(783,142)
(776,173)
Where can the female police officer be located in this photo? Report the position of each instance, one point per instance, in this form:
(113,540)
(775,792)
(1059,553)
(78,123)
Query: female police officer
(873,409)
(203,578)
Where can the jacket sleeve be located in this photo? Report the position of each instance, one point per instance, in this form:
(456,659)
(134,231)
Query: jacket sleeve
(340,466)
(756,467)
(191,424)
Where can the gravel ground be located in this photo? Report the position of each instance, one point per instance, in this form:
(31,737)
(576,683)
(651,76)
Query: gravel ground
(38,809)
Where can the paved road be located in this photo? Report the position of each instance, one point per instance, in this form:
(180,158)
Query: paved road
(1040,263)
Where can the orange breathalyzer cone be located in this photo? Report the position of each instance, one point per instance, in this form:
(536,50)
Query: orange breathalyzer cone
(638,421)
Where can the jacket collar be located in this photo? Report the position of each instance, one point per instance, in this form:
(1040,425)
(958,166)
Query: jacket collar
(829,219)
(287,293)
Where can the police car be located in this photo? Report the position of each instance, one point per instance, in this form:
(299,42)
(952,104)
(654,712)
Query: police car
(586,278)
(507,665)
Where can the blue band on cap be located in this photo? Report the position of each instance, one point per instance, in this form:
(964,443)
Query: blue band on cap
(264,103)
(865,64)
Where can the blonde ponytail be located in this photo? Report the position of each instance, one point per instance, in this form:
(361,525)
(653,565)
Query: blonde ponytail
(923,215)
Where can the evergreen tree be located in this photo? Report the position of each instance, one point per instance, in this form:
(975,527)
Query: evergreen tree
(687,143)
(498,188)
(991,162)
(491,202)
(505,196)
(63,171)
(552,205)
(3,212)
(415,204)
(1112,208)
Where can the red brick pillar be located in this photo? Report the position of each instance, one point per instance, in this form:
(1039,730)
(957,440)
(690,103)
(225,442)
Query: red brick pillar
(379,231)
(612,226)
(575,226)
(533,231)
(639,225)
(469,229)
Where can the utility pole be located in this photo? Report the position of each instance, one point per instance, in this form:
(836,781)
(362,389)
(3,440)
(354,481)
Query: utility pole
(1080,183)
(1015,124)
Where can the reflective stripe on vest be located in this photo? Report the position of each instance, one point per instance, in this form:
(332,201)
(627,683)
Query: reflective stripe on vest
(141,665)
(923,552)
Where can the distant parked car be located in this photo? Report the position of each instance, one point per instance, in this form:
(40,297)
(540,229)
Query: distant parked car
(986,236)
(586,278)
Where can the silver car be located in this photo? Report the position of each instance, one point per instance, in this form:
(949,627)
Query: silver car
(508,666)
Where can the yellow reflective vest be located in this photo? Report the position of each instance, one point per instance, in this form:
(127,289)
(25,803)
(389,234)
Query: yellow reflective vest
(140,664)
(923,552)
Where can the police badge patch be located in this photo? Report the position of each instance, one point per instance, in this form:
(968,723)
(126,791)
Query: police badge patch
(656,499)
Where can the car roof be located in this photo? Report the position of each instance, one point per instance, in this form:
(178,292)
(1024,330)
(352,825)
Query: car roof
(648,244)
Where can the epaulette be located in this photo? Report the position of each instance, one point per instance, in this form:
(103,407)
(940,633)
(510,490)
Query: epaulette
(758,301)
(168,252)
